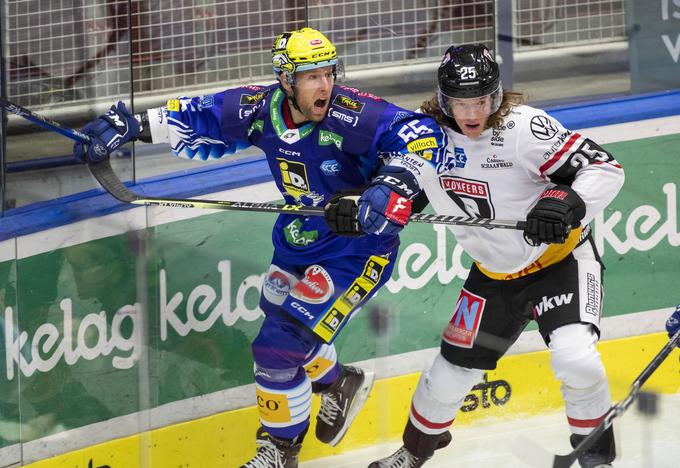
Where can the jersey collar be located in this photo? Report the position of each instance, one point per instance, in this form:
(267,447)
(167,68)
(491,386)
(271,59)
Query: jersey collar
(289,135)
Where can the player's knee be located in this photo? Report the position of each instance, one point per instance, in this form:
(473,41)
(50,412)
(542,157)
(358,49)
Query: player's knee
(270,357)
(281,344)
(574,357)
(439,394)
(448,383)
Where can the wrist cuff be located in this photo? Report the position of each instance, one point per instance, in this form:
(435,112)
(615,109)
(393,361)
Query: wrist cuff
(158,125)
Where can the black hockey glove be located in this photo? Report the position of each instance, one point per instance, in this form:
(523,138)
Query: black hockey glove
(341,213)
(558,210)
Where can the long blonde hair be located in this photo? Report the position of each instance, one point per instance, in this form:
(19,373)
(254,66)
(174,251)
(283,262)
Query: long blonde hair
(495,120)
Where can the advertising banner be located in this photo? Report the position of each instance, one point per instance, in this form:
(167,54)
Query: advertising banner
(129,322)
(654,42)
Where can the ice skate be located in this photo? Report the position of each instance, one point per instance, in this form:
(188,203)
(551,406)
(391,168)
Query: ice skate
(341,402)
(273,452)
(402,458)
(599,455)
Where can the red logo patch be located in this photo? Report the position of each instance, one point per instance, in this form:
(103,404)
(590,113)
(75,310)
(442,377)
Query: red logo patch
(315,42)
(316,287)
(398,209)
(559,194)
(464,325)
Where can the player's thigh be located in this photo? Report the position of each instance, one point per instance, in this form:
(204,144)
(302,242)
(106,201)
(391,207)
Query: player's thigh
(483,324)
(329,292)
(569,292)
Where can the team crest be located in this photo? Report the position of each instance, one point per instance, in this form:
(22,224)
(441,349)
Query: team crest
(471,196)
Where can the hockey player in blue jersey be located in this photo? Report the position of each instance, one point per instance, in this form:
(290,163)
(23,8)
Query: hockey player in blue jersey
(323,142)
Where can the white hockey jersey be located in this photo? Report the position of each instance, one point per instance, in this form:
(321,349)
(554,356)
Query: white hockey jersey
(501,174)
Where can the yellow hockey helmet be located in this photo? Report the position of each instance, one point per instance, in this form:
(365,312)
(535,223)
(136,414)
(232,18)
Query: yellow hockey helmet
(303,49)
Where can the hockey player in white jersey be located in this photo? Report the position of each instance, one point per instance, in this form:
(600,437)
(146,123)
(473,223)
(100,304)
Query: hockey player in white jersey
(507,160)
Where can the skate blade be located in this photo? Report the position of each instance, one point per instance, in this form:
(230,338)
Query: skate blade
(357,403)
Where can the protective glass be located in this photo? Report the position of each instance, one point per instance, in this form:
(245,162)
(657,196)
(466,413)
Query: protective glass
(315,78)
(470,107)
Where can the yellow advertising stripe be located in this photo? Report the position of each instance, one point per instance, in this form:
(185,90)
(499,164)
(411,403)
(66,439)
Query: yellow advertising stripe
(228,439)
(338,312)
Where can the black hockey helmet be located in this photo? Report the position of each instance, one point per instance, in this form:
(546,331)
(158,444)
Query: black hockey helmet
(469,71)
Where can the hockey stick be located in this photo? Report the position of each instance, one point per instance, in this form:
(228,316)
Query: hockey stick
(535,455)
(107,178)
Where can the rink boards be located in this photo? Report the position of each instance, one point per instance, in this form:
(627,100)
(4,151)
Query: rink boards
(522,386)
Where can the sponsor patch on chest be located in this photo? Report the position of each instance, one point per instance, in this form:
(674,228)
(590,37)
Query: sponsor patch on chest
(471,196)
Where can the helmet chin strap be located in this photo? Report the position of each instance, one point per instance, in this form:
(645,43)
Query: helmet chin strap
(294,102)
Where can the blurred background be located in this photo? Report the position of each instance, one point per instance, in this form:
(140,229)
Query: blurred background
(71,59)
(118,324)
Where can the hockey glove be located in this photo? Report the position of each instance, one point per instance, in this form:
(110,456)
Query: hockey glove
(108,132)
(558,210)
(385,207)
(341,213)
(673,323)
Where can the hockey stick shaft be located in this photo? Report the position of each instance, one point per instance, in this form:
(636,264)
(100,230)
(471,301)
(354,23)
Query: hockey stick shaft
(565,461)
(111,183)
(44,122)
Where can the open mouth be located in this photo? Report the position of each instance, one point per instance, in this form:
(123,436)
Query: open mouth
(320,104)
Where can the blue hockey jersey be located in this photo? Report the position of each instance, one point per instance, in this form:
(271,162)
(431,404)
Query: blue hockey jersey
(310,163)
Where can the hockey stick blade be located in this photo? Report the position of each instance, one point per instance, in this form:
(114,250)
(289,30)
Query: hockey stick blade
(112,184)
(107,178)
(533,454)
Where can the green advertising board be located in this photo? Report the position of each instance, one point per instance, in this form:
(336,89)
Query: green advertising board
(133,321)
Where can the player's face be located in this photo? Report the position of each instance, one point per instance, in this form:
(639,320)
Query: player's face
(471,114)
(313,92)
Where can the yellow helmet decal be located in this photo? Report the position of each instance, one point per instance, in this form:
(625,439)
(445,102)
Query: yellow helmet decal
(303,49)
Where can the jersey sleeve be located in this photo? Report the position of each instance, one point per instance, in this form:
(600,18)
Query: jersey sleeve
(195,127)
(410,140)
(549,151)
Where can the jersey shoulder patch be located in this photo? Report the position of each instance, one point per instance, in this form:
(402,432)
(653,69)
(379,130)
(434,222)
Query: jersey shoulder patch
(414,133)
(241,106)
(354,115)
